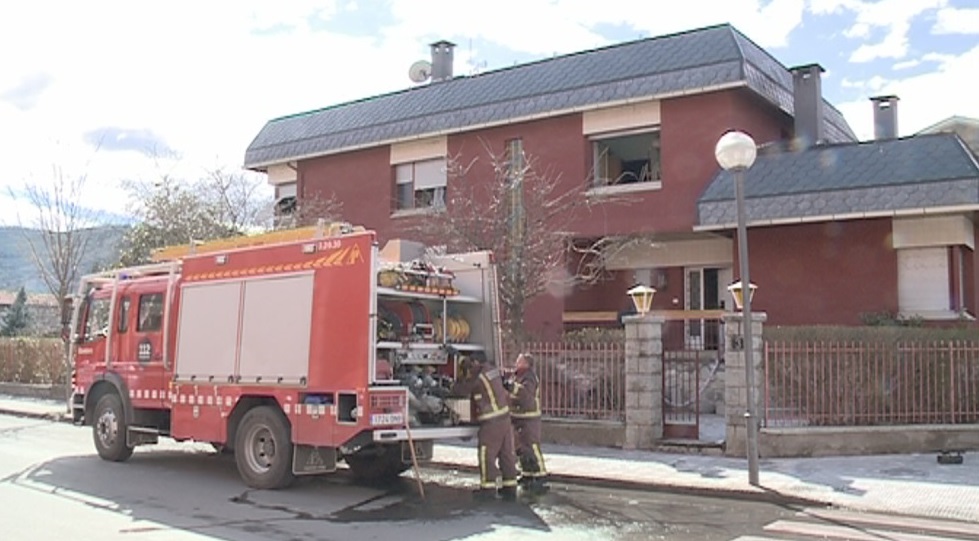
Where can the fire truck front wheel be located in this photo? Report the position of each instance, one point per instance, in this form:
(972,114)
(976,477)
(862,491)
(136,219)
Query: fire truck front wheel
(263,450)
(109,429)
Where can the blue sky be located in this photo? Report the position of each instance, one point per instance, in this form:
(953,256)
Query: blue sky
(118,89)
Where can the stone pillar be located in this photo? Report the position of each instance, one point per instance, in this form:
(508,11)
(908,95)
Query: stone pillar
(735,381)
(643,381)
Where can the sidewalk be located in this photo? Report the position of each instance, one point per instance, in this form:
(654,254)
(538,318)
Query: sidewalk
(900,484)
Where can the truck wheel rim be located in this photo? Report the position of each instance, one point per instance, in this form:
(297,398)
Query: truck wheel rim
(260,451)
(108,428)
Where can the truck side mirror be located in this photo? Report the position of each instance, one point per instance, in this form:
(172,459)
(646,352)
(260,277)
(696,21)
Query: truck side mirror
(67,304)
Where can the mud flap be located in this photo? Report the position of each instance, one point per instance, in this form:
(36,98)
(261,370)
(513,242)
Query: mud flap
(313,460)
(423,451)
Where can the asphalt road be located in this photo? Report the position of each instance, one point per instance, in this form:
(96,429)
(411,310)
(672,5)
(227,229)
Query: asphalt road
(54,487)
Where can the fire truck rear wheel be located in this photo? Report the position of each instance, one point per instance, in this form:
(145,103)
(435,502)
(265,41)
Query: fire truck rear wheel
(263,449)
(109,429)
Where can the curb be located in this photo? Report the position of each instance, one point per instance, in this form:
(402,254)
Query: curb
(760,495)
(56,417)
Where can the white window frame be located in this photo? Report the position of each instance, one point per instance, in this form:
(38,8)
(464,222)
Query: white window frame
(649,177)
(422,178)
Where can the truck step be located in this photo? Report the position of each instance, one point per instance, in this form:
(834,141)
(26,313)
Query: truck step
(141,435)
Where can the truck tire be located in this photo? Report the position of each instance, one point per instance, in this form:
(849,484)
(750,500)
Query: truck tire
(109,429)
(263,449)
(377,464)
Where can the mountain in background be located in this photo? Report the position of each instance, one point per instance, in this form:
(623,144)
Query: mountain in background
(17,267)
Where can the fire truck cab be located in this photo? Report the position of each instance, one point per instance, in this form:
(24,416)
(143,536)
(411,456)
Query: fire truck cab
(296,350)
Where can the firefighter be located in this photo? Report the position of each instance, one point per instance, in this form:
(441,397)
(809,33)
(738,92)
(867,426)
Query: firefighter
(482,382)
(526,414)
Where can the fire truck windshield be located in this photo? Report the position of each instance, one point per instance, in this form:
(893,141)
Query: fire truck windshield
(97,319)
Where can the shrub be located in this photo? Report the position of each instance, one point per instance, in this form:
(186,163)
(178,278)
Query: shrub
(32,360)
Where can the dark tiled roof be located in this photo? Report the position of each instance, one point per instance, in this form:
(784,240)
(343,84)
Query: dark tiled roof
(923,171)
(651,67)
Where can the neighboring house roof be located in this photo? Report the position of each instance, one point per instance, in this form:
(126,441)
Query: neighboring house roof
(699,60)
(967,128)
(7,298)
(884,177)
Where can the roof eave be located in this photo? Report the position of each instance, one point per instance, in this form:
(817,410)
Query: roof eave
(264,164)
(795,220)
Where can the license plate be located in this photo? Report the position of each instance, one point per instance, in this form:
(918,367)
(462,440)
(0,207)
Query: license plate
(387,419)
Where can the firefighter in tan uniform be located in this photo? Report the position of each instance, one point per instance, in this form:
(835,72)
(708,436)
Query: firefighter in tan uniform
(483,383)
(526,413)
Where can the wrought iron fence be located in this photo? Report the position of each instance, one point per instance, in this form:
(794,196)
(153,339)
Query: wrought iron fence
(579,380)
(869,384)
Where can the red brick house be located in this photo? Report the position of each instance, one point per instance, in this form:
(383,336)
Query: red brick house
(638,122)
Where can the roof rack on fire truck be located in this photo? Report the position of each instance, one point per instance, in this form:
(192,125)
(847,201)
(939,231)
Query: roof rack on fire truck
(321,230)
(128,273)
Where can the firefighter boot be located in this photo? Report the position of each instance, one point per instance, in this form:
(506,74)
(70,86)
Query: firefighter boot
(484,495)
(509,494)
(538,486)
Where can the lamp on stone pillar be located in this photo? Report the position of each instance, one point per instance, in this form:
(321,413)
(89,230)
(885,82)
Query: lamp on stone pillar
(737,292)
(642,298)
(736,152)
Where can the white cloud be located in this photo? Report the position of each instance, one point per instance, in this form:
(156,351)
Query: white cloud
(859,30)
(872,85)
(893,17)
(907,64)
(957,21)
(924,99)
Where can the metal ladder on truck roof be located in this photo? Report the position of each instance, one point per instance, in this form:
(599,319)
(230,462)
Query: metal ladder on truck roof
(282,236)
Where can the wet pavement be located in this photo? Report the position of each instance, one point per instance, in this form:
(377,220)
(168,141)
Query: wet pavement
(187,491)
(912,484)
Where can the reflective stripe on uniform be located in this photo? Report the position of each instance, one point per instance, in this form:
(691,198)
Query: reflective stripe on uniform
(493,414)
(495,409)
(540,459)
(482,467)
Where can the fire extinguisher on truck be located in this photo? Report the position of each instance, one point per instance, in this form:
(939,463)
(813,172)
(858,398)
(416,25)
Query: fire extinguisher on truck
(297,350)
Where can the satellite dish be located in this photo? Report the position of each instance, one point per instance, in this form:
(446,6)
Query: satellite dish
(420,71)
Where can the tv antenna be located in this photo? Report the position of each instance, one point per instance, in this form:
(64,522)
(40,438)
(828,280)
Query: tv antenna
(420,71)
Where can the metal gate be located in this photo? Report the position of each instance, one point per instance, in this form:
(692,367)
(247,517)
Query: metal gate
(688,366)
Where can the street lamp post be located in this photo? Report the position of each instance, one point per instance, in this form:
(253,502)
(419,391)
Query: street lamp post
(736,152)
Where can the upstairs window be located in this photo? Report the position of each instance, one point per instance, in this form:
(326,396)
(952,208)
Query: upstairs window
(420,185)
(626,158)
(285,198)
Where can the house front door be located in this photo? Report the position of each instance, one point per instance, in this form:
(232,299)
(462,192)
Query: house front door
(703,291)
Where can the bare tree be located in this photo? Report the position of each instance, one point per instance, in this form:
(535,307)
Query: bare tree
(236,199)
(593,256)
(59,235)
(67,229)
(524,214)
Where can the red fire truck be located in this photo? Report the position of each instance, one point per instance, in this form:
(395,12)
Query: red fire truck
(294,354)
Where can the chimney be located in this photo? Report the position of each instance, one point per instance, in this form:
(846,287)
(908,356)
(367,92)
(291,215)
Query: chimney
(807,91)
(885,117)
(442,60)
